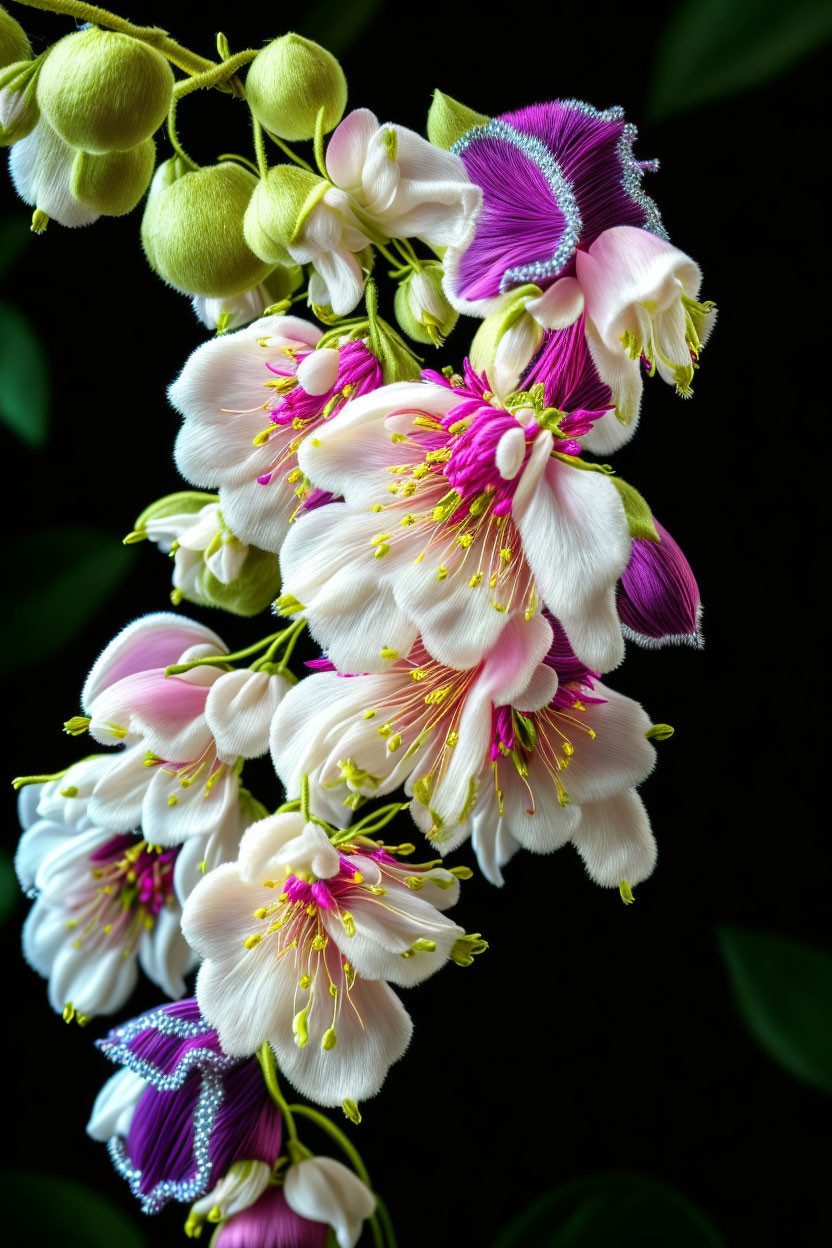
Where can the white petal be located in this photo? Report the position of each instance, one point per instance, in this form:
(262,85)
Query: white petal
(112,1112)
(615,841)
(262,840)
(39,841)
(151,641)
(41,168)
(116,800)
(560,305)
(619,757)
(323,1190)
(239,711)
(510,453)
(164,954)
(347,148)
(319,371)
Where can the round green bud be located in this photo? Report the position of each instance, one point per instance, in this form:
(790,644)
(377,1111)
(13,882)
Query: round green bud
(19,112)
(14,44)
(422,308)
(103,91)
(448,120)
(114,182)
(289,82)
(278,208)
(192,229)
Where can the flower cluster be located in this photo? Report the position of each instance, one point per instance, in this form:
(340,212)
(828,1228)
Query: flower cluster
(468,570)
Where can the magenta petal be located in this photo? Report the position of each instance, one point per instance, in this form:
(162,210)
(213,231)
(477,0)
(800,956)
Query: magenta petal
(658,598)
(270,1223)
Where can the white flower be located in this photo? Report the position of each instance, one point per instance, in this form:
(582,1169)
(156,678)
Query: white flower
(105,904)
(448,530)
(640,296)
(41,167)
(298,939)
(247,409)
(178,776)
(233,311)
(323,1190)
(505,752)
(238,1188)
(388,182)
(198,539)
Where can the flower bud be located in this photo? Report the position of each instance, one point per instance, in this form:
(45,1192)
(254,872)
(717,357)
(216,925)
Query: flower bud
(290,81)
(14,44)
(103,91)
(19,110)
(422,309)
(277,209)
(192,229)
(114,182)
(448,120)
(237,310)
(658,598)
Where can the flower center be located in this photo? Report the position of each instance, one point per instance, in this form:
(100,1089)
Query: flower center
(133,882)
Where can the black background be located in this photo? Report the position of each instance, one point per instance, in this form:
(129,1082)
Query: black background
(591,1036)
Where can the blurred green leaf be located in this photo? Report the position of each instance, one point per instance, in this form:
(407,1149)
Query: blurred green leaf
(14,237)
(24,377)
(615,1210)
(43,1209)
(61,579)
(784,992)
(711,49)
(9,887)
(336,25)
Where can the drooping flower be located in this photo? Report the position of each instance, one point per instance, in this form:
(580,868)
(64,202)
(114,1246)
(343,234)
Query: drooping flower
(299,937)
(317,1193)
(249,399)
(184,734)
(554,177)
(104,906)
(387,182)
(458,514)
(522,751)
(189,1112)
(658,597)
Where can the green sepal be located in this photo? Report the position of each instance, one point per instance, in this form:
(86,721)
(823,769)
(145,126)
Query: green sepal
(250,593)
(251,810)
(639,516)
(185,502)
(398,362)
(448,120)
(277,209)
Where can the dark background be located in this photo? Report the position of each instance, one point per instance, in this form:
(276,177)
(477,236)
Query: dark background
(592,1036)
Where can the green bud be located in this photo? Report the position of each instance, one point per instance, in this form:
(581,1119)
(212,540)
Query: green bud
(19,112)
(183,503)
(192,229)
(448,120)
(14,44)
(250,593)
(283,281)
(278,208)
(290,81)
(114,182)
(103,91)
(422,308)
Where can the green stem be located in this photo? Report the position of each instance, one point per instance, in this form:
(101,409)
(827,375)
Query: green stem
(174,137)
(304,797)
(290,636)
(213,660)
(304,164)
(386,1221)
(348,1148)
(183,58)
(216,75)
(319,143)
(259,147)
(241,160)
(265,1057)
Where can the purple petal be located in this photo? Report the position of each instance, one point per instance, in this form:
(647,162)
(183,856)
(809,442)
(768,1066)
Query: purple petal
(270,1223)
(658,598)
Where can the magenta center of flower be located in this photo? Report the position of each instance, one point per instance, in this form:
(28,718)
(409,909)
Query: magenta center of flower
(133,882)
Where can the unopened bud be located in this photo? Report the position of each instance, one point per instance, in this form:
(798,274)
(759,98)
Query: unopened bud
(192,229)
(278,208)
(104,91)
(14,44)
(19,110)
(114,182)
(448,120)
(290,81)
(422,308)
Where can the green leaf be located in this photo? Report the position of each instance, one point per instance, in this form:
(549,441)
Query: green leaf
(24,377)
(639,516)
(710,49)
(14,235)
(783,989)
(46,1209)
(61,577)
(615,1210)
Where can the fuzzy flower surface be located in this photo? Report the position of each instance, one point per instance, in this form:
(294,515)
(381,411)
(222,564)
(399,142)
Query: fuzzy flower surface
(299,938)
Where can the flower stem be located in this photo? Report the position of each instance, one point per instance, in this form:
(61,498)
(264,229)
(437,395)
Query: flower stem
(173,136)
(265,1057)
(259,148)
(214,660)
(216,75)
(304,164)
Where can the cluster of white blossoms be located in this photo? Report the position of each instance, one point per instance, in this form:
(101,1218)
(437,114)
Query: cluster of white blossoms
(468,571)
